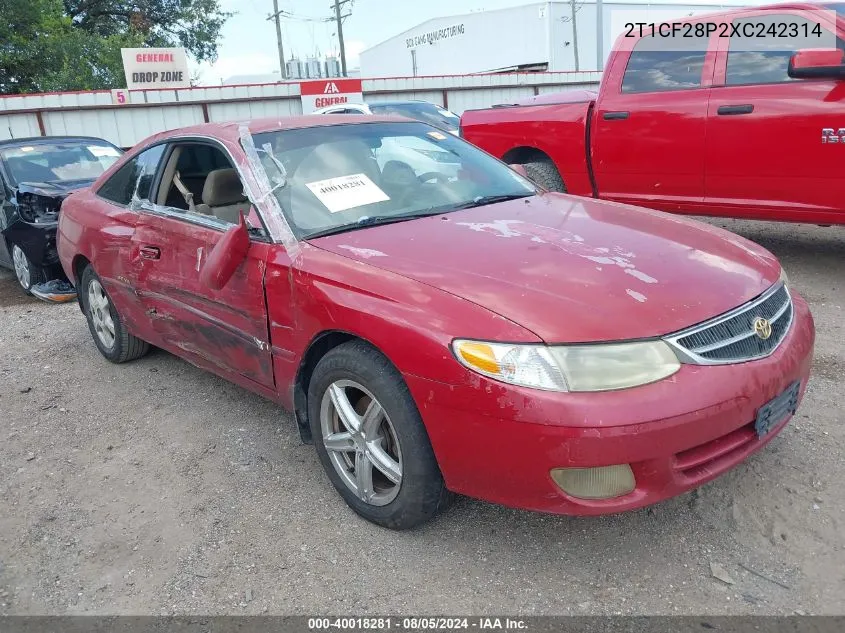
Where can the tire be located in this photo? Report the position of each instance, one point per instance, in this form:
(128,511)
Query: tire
(27,274)
(368,380)
(107,329)
(545,174)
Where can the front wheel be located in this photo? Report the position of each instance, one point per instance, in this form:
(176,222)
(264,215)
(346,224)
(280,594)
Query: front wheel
(107,329)
(371,440)
(27,273)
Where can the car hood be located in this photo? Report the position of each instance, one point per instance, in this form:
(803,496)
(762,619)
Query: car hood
(572,269)
(53,189)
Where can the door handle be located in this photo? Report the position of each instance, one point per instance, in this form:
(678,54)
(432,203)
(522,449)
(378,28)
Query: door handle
(150,252)
(615,116)
(725,110)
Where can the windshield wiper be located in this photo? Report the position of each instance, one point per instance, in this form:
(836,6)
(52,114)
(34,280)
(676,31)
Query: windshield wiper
(376,220)
(482,201)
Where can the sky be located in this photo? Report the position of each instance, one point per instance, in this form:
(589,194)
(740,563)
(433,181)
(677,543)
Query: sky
(248,44)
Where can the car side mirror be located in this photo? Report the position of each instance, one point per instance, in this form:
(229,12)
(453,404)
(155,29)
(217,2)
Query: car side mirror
(817,63)
(224,259)
(520,169)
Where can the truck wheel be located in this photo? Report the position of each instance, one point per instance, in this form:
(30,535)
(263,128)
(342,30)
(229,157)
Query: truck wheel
(107,329)
(371,440)
(545,174)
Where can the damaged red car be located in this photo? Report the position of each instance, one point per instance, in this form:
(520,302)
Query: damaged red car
(437,323)
(36,175)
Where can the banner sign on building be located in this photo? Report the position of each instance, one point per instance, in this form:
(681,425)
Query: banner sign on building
(155,68)
(322,93)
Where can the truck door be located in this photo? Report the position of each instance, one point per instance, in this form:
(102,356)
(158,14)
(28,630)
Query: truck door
(648,128)
(766,157)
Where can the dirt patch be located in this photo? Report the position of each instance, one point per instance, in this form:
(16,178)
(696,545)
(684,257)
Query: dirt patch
(10,291)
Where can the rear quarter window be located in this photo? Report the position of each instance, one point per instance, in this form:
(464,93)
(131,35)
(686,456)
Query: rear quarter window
(138,172)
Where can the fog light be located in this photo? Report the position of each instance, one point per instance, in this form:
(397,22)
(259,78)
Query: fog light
(604,482)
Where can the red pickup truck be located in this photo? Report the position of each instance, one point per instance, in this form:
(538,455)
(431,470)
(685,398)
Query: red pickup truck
(739,121)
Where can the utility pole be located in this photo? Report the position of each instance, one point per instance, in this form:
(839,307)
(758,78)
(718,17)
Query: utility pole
(339,18)
(574,33)
(277,16)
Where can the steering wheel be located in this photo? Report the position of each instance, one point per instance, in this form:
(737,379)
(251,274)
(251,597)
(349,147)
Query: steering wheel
(436,176)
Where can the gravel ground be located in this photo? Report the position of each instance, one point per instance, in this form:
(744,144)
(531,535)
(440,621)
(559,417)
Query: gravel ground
(156,488)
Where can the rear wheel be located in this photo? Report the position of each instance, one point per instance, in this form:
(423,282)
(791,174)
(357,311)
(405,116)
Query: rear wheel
(545,174)
(27,273)
(371,440)
(107,329)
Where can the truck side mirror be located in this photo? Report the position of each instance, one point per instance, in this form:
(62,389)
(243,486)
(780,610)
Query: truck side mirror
(817,63)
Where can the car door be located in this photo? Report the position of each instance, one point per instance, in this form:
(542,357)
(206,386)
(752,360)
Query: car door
(648,128)
(224,330)
(765,154)
(118,199)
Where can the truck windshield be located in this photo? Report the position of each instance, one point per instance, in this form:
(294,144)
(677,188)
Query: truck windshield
(839,7)
(58,162)
(335,178)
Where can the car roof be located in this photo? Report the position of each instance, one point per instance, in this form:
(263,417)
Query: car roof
(230,131)
(36,140)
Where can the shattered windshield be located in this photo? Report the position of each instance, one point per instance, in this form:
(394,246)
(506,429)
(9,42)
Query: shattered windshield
(335,178)
(58,162)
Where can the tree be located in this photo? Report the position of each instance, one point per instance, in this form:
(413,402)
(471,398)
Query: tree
(192,24)
(48,45)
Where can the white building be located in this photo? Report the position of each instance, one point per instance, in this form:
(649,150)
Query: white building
(537,36)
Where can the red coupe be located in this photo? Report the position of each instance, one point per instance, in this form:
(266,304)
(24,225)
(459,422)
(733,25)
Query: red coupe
(436,322)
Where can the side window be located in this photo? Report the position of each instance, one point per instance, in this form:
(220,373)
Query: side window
(760,53)
(660,64)
(199,179)
(139,172)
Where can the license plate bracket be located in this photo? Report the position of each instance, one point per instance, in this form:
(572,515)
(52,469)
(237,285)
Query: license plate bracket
(775,411)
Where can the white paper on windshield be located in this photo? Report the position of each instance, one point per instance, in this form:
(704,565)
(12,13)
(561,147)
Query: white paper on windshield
(100,151)
(347,192)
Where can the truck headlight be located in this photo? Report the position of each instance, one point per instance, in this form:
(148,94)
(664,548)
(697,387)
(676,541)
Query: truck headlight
(601,367)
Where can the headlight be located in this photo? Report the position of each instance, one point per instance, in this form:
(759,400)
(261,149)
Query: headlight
(570,368)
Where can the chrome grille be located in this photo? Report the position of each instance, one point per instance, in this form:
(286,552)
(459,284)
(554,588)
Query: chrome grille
(731,338)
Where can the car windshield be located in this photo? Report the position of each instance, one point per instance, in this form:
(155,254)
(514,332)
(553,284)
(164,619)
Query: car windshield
(335,178)
(59,161)
(425,112)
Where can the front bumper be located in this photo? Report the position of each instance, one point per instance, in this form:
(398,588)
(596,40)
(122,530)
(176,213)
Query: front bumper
(498,443)
(36,240)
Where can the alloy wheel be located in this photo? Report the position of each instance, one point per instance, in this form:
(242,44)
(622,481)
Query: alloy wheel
(21,264)
(361,442)
(98,307)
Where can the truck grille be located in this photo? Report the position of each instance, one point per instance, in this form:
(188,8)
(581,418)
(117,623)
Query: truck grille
(732,338)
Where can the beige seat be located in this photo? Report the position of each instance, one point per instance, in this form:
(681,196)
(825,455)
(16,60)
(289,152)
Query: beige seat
(223,196)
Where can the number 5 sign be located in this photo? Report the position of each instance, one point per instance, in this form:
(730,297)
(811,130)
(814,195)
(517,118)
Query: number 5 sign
(120,96)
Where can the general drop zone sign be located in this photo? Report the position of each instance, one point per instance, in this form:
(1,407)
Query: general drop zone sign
(322,93)
(155,68)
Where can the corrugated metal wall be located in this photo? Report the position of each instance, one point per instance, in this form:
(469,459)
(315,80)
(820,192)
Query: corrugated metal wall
(151,111)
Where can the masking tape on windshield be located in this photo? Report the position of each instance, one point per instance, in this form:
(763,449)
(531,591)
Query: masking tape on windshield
(259,190)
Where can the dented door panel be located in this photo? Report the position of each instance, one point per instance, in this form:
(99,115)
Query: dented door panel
(223,330)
